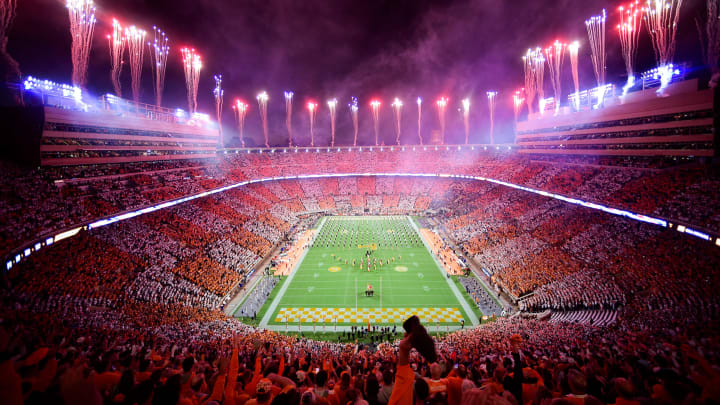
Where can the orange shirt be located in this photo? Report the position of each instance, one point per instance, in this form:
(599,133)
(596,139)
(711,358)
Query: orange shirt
(402,391)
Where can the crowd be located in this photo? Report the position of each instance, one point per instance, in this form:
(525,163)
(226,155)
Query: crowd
(563,258)
(129,313)
(39,201)
(510,361)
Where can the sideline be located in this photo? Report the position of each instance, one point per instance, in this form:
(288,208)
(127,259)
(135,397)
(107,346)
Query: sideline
(271,309)
(463,302)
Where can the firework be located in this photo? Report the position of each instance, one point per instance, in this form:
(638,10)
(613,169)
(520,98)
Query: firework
(159,50)
(354,115)
(573,50)
(135,38)
(192,64)
(332,104)
(530,69)
(555,54)
(661,18)
(82,27)
(7,14)
(397,106)
(539,61)
(518,101)
(262,99)
(240,109)
(629,31)
(116,43)
(596,33)
(375,104)
(441,106)
(491,105)
(466,118)
(419,104)
(288,115)
(711,37)
(218,93)
(312,108)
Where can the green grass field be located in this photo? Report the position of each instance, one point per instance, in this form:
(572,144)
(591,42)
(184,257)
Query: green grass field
(330,281)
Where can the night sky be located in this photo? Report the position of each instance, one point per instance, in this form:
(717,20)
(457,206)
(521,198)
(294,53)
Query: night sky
(322,49)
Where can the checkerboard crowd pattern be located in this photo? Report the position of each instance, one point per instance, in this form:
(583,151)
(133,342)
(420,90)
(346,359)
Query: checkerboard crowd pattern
(361,315)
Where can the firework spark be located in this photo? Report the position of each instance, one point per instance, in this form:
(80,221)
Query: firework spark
(192,64)
(218,93)
(441,107)
(116,43)
(661,20)
(629,32)
(573,50)
(159,50)
(530,69)
(491,95)
(419,104)
(82,27)
(332,104)
(539,61)
(518,101)
(375,104)
(596,33)
(312,108)
(466,118)
(136,50)
(288,115)
(397,106)
(240,110)
(262,99)
(555,54)
(354,115)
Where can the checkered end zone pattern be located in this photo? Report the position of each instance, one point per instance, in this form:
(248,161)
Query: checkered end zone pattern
(361,315)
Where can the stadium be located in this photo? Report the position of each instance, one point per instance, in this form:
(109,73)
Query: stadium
(494,246)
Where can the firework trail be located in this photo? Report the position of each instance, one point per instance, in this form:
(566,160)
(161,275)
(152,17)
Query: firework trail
(116,43)
(82,27)
(661,18)
(159,50)
(441,106)
(539,61)
(466,118)
(419,104)
(629,32)
(332,104)
(354,115)
(135,38)
(288,115)
(529,68)
(555,54)
(375,104)
(596,33)
(573,49)
(262,99)
(192,64)
(218,93)
(491,105)
(397,106)
(7,14)
(312,108)
(711,37)
(240,109)
(518,101)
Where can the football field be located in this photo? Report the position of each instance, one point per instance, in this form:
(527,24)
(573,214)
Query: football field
(350,255)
